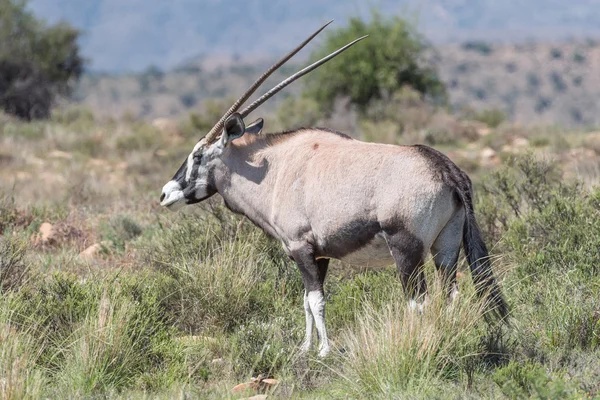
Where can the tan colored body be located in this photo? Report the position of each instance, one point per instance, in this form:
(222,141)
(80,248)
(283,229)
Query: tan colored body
(311,185)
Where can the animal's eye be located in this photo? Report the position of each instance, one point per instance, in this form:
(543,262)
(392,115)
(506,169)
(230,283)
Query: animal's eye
(197,157)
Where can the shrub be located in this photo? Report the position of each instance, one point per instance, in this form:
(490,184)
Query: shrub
(13,268)
(120,230)
(297,112)
(528,380)
(482,48)
(391,59)
(492,117)
(548,230)
(37,62)
(225,272)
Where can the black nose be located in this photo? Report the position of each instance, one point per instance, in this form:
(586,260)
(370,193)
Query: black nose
(162,197)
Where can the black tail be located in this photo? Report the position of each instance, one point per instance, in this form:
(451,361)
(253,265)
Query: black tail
(476,252)
(478,256)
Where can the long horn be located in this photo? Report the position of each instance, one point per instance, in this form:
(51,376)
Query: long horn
(244,113)
(216,130)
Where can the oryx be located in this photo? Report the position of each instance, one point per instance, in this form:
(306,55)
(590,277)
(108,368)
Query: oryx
(325,195)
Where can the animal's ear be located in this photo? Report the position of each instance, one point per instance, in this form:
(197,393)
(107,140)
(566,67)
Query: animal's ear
(255,128)
(234,128)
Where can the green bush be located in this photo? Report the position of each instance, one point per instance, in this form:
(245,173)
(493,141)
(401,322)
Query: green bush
(547,230)
(388,60)
(527,380)
(37,62)
(491,117)
(13,267)
(225,272)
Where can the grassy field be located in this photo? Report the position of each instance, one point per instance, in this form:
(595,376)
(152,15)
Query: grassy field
(104,294)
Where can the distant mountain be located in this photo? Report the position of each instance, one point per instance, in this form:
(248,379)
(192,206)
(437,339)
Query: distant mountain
(130,35)
(539,83)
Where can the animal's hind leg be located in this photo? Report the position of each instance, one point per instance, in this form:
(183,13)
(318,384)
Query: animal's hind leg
(407,251)
(446,250)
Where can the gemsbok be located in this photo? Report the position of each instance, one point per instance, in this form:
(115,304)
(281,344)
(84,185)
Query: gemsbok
(325,195)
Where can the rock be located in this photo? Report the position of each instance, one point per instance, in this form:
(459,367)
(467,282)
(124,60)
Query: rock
(93,251)
(487,153)
(270,382)
(483,131)
(23,175)
(218,361)
(257,397)
(97,162)
(47,233)
(520,143)
(489,156)
(242,387)
(33,160)
(258,384)
(60,154)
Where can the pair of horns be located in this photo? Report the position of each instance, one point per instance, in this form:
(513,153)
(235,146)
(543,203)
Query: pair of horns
(216,130)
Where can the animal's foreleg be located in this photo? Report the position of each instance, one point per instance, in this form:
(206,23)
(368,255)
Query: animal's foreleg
(316,300)
(313,275)
(307,344)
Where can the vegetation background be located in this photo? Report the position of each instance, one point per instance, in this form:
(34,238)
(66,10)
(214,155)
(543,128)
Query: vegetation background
(104,294)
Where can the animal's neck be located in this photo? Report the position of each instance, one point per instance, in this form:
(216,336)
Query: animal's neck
(246,183)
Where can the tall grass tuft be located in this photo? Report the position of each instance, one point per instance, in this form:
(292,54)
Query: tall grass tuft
(397,350)
(19,350)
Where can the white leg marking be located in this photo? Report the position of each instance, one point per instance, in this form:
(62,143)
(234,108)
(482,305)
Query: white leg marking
(412,304)
(307,344)
(454,294)
(317,307)
(419,305)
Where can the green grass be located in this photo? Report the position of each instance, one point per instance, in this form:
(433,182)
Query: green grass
(190,304)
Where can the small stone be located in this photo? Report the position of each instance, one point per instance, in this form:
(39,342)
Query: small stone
(161,153)
(23,175)
(35,161)
(47,233)
(257,397)
(520,143)
(92,251)
(488,153)
(243,387)
(270,381)
(60,154)
(97,162)
(483,131)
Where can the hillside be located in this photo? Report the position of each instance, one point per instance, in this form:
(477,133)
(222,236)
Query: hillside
(550,83)
(133,34)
